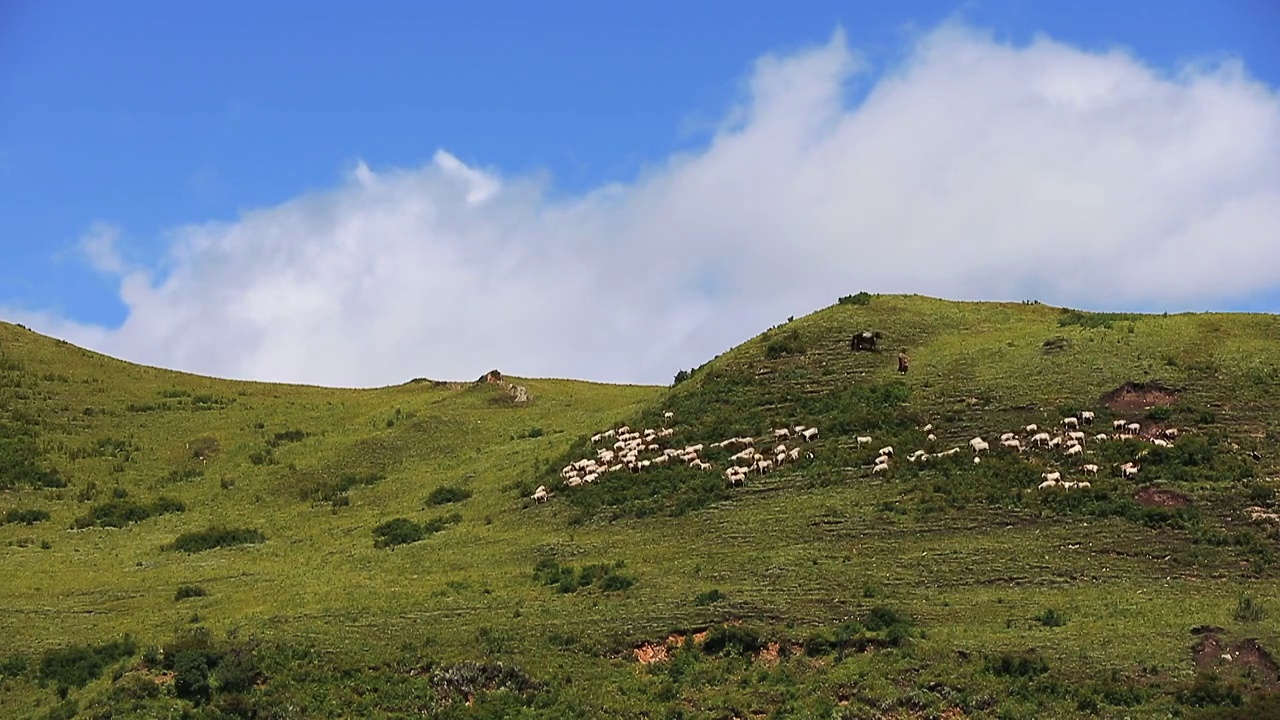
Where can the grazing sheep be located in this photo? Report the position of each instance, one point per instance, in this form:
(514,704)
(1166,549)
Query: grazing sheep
(976,459)
(980,446)
(540,495)
(1055,442)
(1171,432)
(1101,436)
(694,448)
(887,450)
(1160,442)
(1031,429)
(882,460)
(624,430)
(1090,469)
(794,454)
(609,434)
(764,466)
(1041,439)
(1070,422)
(932,438)
(1013,444)
(1048,484)
(573,482)
(798,428)
(1086,416)
(1075,450)
(1006,437)
(810,433)
(596,438)
(880,468)
(782,447)
(661,459)
(975,441)
(1129,470)
(1133,428)
(666,432)
(591,477)
(782,432)
(1054,476)
(927,428)
(1117,424)
(864,440)
(668,415)
(1084,485)
(1076,435)
(1069,484)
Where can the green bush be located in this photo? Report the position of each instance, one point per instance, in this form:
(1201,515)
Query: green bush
(568,579)
(789,343)
(448,494)
(403,531)
(330,491)
(79,665)
(287,436)
(214,537)
(122,513)
(862,298)
(21,460)
(189,591)
(1249,610)
(30,516)
(727,640)
(1007,665)
(13,666)
(709,597)
(1051,618)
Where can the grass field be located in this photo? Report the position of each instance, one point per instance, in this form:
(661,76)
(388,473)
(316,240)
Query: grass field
(937,589)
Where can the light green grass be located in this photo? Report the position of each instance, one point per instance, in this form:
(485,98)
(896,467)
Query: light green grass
(792,552)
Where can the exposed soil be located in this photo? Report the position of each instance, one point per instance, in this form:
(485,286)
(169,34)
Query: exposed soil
(1212,652)
(770,654)
(1159,497)
(1135,397)
(650,653)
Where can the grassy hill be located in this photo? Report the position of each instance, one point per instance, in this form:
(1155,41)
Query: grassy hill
(177,544)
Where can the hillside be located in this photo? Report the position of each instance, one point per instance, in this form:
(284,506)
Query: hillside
(382,556)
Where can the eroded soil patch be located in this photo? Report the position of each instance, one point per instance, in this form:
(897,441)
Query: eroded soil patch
(1134,397)
(1159,497)
(1214,653)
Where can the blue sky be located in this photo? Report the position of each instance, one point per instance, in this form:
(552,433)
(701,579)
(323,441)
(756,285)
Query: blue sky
(152,117)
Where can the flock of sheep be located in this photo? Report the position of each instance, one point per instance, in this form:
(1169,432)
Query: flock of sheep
(1070,440)
(630,447)
(638,450)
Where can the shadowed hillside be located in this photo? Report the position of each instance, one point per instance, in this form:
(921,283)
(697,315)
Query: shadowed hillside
(175,543)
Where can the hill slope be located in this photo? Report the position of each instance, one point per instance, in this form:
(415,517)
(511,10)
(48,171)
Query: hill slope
(971,592)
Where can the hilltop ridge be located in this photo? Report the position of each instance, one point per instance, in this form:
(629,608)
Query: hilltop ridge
(280,534)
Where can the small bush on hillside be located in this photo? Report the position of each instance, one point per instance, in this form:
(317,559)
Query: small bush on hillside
(122,513)
(681,376)
(862,298)
(330,491)
(21,460)
(709,597)
(1248,610)
(881,628)
(403,531)
(13,666)
(1094,320)
(204,447)
(79,665)
(189,591)
(214,537)
(183,475)
(448,494)
(1051,618)
(16,516)
(204,668)
(568,579)
(729,640)
(789,343)
(287,436)
(1008,665)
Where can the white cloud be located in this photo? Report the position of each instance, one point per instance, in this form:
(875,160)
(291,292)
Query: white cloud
(975,170)
(98,248)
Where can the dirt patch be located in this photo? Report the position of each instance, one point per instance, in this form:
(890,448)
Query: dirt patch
(1135,397)
(1159,497)
(770,654)
(1214,653)
(699,637)
(1260,514)
(650,653)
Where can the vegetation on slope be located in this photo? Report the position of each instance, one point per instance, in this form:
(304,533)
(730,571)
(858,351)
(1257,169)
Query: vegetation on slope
(941,588)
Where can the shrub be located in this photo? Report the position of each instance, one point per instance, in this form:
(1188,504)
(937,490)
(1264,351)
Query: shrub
(330,491)
(122,513)
(189,591)
(402,531)
(287,436)
(1051,618)
(1248,610)
(31,516)
(789,343)
(79,665)
(681,376)
(728,640)
(205,447)
(1007,665)
(13,666)
(216,537)
(183,475)
(709,597)
(569,579)
(448,494)
(862,298)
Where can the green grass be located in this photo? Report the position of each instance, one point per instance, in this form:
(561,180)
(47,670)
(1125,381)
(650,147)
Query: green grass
(825,590)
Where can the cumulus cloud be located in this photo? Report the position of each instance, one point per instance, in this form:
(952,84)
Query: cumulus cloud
(973,170)
(98,248)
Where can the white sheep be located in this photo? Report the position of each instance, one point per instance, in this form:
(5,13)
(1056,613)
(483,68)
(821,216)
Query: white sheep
(1075,450)
(864,439)
(1117,424)
(1133,428)
(810,433)
(1048,484)
(540,495)
(782,432)
(668,415)
(880,468)
(591,477)
(1041,439)
(764,466)
(1086,416)
(609,434)
(1070,422)
(1054,476)
(887,450)
(1076,435)
(661,459)
(1129,470)
(882,460)
(927,428)
(1160,442)
(1171,432)
(596,438)
(1006,437)
(794,453)
(798,428)
(1090,469)
(980,446)
(1055,442)
(694,448)
(1101,437)
(1031,429)
(1013,444)
(975,441)
(1084,485)
(932,438)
